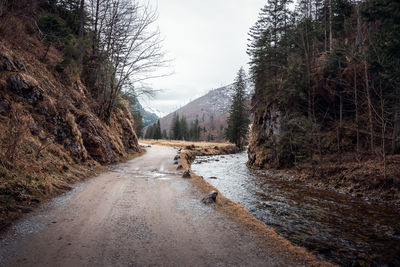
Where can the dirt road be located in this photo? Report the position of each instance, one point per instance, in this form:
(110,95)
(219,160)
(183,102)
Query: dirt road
(141,213)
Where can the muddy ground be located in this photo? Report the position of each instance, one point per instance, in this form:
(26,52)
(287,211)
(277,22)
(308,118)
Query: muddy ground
(141,213)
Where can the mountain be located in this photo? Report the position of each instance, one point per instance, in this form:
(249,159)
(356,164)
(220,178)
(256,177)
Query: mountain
(211,110)
(147,116)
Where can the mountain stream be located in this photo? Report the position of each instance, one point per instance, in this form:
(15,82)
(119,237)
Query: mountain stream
(342,229)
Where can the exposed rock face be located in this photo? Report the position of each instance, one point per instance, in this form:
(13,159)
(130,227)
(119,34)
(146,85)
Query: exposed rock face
(27,87)
(50,133)
(264,137)
(95,140)
(63,112)
(211,198)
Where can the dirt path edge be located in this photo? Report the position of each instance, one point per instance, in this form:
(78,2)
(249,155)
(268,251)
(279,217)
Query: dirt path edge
(265,235)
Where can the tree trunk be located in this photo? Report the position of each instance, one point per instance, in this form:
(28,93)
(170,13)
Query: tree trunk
(330,26)
(396,130)
(47,51)
(81,33)
(96,23)
(358,38)
(383,129)
(325,30)
(356,107)
(370,118)
(340,129)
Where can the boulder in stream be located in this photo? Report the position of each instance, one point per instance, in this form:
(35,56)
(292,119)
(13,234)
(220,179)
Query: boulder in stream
(186,174)
(211,198)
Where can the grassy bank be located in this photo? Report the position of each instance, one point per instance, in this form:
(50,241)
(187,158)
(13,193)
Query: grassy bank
(25,186)
(264,235)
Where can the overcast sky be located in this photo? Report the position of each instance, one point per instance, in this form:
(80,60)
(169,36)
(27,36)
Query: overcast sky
(207,40)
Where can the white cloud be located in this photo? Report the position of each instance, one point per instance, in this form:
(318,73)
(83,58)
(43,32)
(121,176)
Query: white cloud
(208,40)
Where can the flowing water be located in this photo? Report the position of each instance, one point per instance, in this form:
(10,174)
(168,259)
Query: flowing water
(342,229)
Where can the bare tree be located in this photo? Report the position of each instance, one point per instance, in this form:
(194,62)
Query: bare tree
(2,6)
(126,46)
(330,26)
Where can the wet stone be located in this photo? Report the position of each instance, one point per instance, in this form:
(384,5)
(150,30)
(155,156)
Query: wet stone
(211,198)
(186,174)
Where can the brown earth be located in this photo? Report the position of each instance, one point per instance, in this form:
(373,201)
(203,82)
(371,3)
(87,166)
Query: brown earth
(262,233)
(363,178)
(142,213)
(50,134)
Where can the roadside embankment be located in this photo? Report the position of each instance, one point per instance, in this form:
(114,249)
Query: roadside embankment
(21,196)
(265,236)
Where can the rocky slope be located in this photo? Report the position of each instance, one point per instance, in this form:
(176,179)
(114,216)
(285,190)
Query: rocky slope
(211,110)
(359,174)
(50,135)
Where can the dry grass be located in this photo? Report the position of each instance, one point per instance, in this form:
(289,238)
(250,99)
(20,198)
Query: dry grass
(13,136)
(33,167)
(183,144)
(264,235)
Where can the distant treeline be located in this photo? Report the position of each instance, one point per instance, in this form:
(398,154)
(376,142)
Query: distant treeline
(180,130)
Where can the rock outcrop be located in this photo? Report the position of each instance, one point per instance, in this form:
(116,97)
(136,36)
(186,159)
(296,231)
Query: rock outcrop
(265,133)
(62,112)
(50,133)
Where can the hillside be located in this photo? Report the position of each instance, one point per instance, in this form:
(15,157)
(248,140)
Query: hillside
(211,110)
(331,113)
(147,116)
(50,132)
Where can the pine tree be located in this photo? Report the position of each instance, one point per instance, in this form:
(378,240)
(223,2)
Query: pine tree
(164,135)
(157,131)
(176,128)
(238,121)
(194,133)
(184,128)
(138,123)
(149,132)
(383,56)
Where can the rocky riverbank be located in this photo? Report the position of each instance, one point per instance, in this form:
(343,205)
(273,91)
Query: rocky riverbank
(265,236)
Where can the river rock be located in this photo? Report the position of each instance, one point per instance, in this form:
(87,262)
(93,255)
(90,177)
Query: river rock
(191,147)
(211,198)
(186,174)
